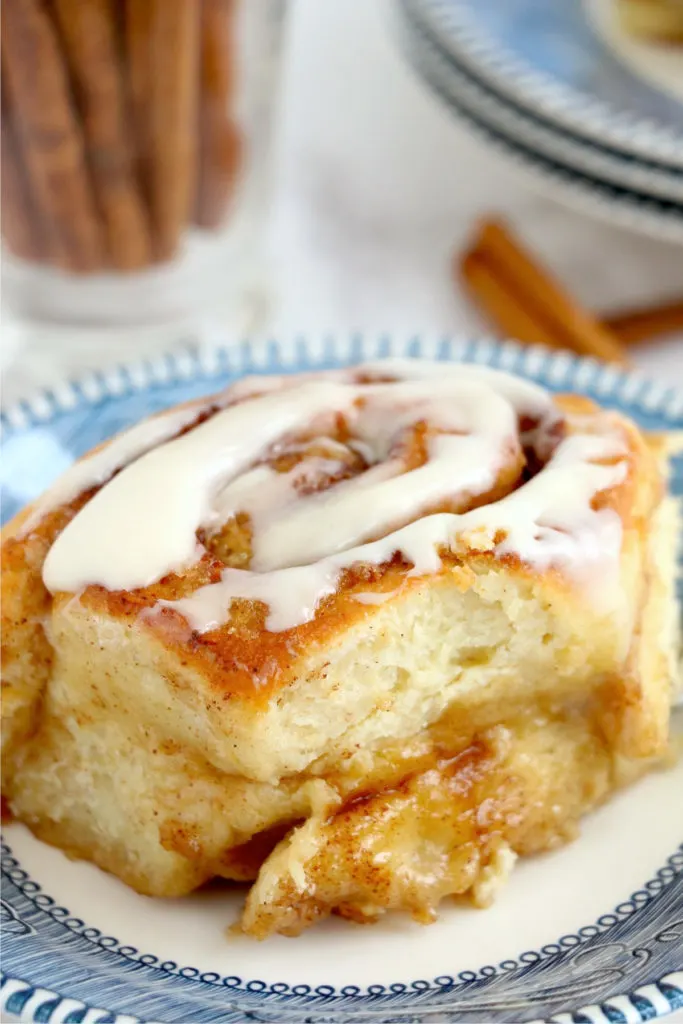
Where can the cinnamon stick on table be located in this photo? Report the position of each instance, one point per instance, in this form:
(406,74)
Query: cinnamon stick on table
(21,228)
(173,78)
(87,29)
(510,315)
(646,323)
(50,134)
(554,311)
(220,141)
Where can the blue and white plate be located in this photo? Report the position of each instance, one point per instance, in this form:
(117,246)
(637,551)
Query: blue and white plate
(589,933)
(496,125)
(566,63)
(451,77)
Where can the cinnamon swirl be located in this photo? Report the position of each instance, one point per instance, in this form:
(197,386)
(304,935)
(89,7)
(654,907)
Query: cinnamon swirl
(362,637)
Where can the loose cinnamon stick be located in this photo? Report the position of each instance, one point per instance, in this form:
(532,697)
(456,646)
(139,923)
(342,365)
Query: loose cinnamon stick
(220,141)
(51,136)
(87,31)
(515,316)
(561,316)
(20,225)
(508,314)
(174,79)
(646,323)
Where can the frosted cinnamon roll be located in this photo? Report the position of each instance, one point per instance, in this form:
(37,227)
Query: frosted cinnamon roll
(312,601)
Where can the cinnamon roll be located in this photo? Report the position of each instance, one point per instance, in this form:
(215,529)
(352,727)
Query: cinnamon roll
(360,637)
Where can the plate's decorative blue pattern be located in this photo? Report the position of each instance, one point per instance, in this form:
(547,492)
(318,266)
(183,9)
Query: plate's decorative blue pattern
(547,57)
(487,119)
(448,75)
(613,961)
(626,966)
(640,940)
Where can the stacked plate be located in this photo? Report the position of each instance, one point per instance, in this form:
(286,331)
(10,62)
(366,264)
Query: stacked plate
(561,89)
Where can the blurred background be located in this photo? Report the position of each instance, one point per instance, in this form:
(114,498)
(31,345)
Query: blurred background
(369,146)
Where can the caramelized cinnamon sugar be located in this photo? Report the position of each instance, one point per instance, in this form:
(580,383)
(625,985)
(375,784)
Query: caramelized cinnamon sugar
(450,776)
(324,461)
(231,543)
(446,825)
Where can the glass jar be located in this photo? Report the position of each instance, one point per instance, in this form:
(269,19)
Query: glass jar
(136,153)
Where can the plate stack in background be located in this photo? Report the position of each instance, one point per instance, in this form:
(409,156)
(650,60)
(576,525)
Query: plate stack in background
(567,90)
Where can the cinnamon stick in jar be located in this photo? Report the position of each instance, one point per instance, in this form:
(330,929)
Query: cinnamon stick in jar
(136,18)
(87,29)
(173,88)
(220,140)
(50,134)
(21,228)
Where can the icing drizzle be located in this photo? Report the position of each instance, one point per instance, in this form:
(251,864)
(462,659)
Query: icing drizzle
(164,490)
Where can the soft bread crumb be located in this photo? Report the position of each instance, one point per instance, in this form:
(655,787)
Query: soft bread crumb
(493,875)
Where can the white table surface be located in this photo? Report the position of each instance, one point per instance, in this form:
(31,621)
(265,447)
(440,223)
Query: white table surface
(376,188)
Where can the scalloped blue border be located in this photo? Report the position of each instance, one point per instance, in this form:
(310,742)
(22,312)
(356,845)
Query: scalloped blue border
(556,370)
(33,892)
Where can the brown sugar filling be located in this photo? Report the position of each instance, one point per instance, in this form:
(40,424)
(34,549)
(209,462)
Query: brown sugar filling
(320,463)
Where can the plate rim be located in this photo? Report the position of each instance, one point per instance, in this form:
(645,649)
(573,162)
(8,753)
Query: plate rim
(190,364)
(535,89)
(648,891)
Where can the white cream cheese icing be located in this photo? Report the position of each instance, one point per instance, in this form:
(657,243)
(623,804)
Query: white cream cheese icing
(143,523)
